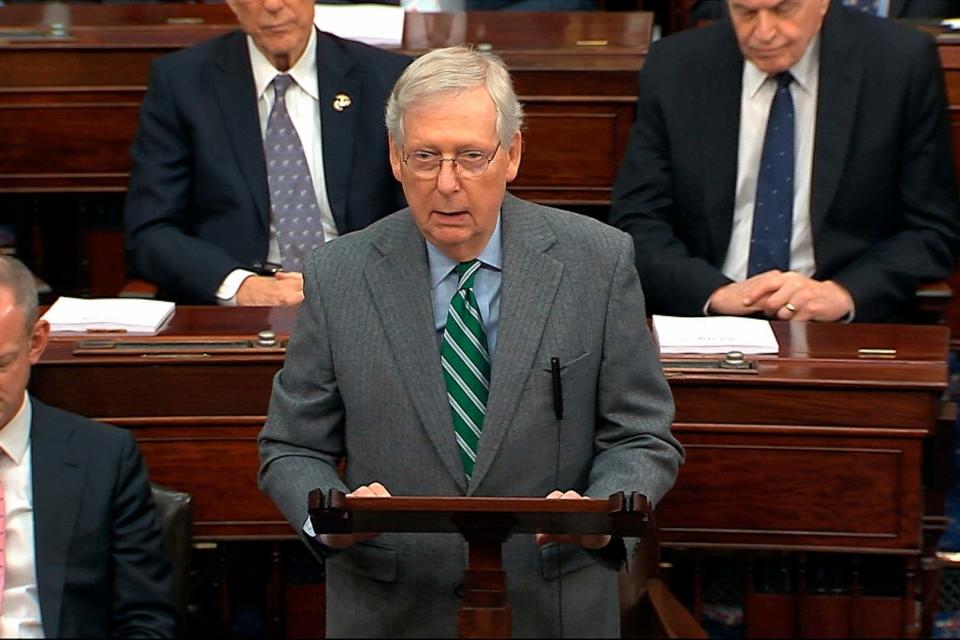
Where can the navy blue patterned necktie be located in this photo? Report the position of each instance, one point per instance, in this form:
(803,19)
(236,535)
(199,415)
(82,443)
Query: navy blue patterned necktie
(773,212)
(293,200)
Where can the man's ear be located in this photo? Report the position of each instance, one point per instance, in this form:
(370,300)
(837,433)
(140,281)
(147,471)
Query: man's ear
(395,159)
(514,153)
(39,336)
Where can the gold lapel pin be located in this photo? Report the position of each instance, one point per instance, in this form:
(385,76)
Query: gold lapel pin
(341,101)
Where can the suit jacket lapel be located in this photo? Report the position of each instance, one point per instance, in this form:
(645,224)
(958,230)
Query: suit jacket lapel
(57,494)
(236,94)
(897,7)
(400,286)
(719,107)
(337,123)
(841,68)
(529,285)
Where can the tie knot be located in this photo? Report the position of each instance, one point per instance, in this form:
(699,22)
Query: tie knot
(783,80)
(281,83)
(467,271)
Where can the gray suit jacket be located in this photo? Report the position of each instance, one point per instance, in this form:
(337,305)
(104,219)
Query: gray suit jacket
(362,379)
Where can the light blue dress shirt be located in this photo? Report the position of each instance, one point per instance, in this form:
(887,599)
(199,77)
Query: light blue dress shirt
(486,287)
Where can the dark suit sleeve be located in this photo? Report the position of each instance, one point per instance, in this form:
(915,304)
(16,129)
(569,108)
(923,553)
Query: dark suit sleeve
(884,277)
(644,205)
(142,576)
(158,212)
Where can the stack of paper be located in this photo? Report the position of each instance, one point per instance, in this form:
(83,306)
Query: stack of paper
(377,25)
(715,334)
(108,314)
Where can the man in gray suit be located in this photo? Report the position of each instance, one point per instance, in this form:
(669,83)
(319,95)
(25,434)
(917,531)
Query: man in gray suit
(425,354)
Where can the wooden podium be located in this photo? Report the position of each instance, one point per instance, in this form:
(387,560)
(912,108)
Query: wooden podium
(485,523)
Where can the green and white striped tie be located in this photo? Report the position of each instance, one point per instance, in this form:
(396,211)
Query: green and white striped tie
(466,365)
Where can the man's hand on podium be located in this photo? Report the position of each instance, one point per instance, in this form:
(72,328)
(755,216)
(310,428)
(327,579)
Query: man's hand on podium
(344,540)
(592,541)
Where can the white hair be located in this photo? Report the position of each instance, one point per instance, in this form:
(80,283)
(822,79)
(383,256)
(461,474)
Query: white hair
(16,278)
(455,70)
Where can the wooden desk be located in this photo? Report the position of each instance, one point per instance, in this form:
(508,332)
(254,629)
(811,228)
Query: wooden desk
(818,449)
(575,71)
(69,107)
(821,449)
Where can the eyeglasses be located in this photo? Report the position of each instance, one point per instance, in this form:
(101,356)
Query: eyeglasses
(469,164)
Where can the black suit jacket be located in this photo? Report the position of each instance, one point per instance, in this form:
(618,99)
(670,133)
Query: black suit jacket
(198,205)
(716,9)
(101,567)
(884,212)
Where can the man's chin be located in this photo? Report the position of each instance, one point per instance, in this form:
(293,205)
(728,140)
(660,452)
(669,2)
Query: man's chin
(451,239)
(772,65)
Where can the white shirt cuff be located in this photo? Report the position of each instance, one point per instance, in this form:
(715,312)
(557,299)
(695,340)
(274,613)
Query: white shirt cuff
(227,293)
(853,312)
(308,528)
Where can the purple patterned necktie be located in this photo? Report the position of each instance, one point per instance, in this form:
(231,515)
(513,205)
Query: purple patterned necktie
(293,201)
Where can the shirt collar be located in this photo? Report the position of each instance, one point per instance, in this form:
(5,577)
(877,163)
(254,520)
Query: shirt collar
(304,72)
(804,70)
(15,436)
(441,265)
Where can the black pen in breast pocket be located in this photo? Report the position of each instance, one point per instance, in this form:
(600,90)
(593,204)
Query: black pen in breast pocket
(557,388)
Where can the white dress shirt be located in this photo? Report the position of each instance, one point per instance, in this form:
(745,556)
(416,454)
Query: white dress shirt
(755,100)
(303,105)
(20,617)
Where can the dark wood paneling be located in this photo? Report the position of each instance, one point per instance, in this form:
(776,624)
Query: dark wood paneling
(68,108)
(104,389)
(207,459)
(76,143)
(752,490)
(571,150)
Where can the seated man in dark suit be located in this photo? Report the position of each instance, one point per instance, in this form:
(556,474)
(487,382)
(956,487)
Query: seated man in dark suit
(704,10)
(254,149)
(81,554)
(793,161)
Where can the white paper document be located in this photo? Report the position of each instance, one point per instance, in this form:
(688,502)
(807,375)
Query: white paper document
(714,334)
(108,314)
(374,24)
